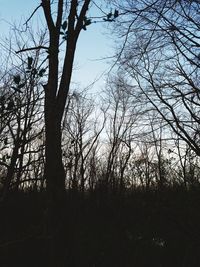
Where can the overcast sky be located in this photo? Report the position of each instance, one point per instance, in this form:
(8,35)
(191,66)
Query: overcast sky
(93,44)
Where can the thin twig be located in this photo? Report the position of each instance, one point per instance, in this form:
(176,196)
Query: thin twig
(35,10)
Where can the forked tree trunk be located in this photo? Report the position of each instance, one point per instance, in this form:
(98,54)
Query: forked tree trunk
(56,93)
(57,89)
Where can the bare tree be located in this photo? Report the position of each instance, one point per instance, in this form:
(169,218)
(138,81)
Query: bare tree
(122,118)
(81,132)
(161,54)
(57,89)
(24,125)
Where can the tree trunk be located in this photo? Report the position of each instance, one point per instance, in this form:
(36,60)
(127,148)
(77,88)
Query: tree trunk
(11,170)
(54,169)
(55,184)
(56,93)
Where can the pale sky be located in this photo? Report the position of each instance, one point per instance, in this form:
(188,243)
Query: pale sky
(93,44)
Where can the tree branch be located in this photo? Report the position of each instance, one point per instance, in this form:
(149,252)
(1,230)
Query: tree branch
(31,48)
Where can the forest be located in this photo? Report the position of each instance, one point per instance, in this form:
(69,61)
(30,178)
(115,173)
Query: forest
(101,177)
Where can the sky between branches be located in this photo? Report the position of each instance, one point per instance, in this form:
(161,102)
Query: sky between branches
(93,45)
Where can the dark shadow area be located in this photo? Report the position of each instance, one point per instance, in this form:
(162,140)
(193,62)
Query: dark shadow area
(101,229)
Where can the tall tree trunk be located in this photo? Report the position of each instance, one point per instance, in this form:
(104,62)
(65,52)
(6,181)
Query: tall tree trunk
(56,93)
(54,169)
(55,183)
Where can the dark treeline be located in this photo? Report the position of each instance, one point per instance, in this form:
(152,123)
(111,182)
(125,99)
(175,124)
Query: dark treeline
(112,180)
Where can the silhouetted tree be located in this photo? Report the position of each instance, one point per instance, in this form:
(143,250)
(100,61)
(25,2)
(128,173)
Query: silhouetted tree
(57,89)
(161,53)
(122,117)
(23,127)
(81,132)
